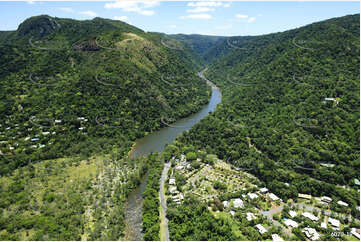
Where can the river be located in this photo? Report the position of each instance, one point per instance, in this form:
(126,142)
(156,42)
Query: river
(155,142)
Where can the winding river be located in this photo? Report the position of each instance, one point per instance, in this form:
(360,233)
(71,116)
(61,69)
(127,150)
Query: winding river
(155,142)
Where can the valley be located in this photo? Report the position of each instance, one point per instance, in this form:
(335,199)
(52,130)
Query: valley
(109,132)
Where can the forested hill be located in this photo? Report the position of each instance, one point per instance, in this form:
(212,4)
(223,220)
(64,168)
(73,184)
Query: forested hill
(200,44)
(290,109)
(81,87)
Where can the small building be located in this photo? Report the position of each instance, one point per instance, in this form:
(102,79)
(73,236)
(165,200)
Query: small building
(273,197)
(232,213)
(172,189)
(238,203)
(27,138)
(311,233)
(45,133)
(355,233)
(263,190)
(324,225)
(57,121)
(304,196)
(171,181)
(334,222)
(34,139)
(276,237)
(250,216)
(292,213)
(335,100)
(310,216)
(326,199)
(252,195)
(261,229)
(290,222)
(226,204)
(287,184)
(341,203)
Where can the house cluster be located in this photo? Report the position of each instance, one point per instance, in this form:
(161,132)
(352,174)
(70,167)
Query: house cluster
(177,196)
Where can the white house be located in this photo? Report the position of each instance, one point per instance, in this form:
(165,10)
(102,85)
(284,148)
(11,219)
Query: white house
(290,222)
(293,213)
(342,203)
(238,203)
(263,190)
(310,216)
(324,225)
(261,229)
(334,222)
(273,197)
(232,213)
(172,189)
(326,199)
(250,216)
(171,181)
(226,204)
(354,232)
(276,237)
(311,233)
(252,195)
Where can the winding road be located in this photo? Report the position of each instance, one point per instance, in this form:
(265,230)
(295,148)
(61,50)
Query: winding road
(164,232)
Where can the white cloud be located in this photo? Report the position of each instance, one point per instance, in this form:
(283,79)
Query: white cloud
(204,4)
(227,5)
(200,10)
(251,19)
(68,10)
(134,6)
(30,1)
(89,13)
(197,16)
(243,16)
(173,26)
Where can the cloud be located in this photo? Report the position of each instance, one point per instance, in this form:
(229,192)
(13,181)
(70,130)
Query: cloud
(133,6)
(200,10)
(204,4)
(197,16)
(89,13)
(30,1)
(227,5)
(242,16)
(68,10)
(173,26)
(251,20)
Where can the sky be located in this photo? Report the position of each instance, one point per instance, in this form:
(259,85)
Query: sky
(223,18)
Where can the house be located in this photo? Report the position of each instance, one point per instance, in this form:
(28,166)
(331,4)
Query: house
(304,196)
(330,99)
(293,213)
(81,118)
(34,139)
(334,222)
(326,199)
(252,195)
(324,225)
(276,237)
(263,190)
(238,203)
(171,181)
(261,229)
(45,133)
(27,138)
(290,222)
(232,213)
(250,216)
(57,121)
(356,182)
(287,184)
(341,203)
(173,189)
(355,233)
(311,233)
(226,204)
(310,216)
(273,197)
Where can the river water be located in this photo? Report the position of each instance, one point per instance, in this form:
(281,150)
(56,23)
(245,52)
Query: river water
(155,142)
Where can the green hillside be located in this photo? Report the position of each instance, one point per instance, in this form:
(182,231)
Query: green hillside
(289,115)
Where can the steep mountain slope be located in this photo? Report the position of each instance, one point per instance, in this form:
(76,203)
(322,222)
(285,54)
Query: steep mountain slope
(75,95)
(115,76)
(290,113)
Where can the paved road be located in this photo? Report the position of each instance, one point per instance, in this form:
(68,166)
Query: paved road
(163,204)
